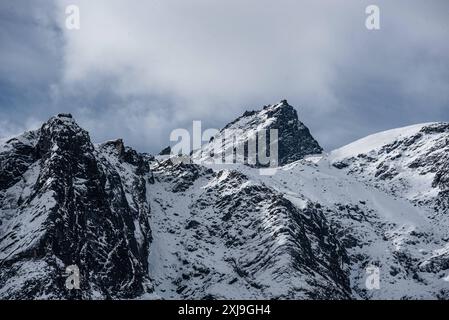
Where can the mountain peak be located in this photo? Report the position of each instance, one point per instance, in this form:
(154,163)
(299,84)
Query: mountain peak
(402,161)
(280,104)
(77,210)
(139,228)
(294,138)
(61,132)
(378,140)
(65,115)
(61,121)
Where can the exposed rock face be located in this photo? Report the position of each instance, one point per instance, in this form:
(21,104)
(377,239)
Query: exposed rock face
(411,162)
(71,207)
(294,138)
(15,157)
(226,236)
(139,226)
(165,152)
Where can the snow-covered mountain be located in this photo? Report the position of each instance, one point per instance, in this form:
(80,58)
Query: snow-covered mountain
(64,202)
(146,227)
(293,137)
(224,234)
(411,163)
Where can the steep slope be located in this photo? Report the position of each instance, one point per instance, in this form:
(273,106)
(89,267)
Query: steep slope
(145,227)
(375,229)
(410,162)
(219,234)
(63,203)
(228,232)
(294,138)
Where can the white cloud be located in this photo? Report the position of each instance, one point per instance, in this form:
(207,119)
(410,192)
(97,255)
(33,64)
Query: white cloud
(138,69)
(203,52)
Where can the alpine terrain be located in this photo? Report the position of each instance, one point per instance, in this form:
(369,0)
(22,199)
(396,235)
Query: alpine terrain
(146,227)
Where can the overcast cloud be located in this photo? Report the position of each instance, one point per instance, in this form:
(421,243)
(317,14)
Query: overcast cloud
(138,69)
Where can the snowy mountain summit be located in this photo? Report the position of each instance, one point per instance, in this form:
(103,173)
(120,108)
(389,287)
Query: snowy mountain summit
(366,221)
(294,140)
(410,162)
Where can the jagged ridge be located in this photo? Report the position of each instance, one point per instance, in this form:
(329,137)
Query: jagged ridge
(145,227)
(294,138)
(72,209)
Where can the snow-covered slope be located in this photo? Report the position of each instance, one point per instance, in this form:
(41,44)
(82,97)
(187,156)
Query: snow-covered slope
(410,162)
(220,234)
(376,141)
(375,228)
(294,138)
(145,227)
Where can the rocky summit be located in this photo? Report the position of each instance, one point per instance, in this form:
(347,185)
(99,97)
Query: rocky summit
(66,202)
(144,227)
(294,139)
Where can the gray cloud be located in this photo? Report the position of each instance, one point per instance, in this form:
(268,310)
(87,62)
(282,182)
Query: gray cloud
(138,69)
(30,63)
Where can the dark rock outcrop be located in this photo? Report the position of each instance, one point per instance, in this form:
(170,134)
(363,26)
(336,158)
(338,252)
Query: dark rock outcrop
(294,138)
(80,212)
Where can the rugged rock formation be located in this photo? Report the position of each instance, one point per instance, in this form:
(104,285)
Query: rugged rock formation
(67,203)
(139,226)
(294,138)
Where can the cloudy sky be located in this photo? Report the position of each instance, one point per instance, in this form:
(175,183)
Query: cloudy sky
(138,69)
